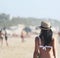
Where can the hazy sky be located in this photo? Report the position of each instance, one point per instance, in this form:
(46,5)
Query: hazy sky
(31,8)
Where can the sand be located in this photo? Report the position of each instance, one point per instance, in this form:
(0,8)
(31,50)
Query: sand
(18,49)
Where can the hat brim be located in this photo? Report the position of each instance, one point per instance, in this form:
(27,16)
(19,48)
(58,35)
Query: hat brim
(44,28)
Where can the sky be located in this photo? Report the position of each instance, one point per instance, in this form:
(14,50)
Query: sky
(31,8)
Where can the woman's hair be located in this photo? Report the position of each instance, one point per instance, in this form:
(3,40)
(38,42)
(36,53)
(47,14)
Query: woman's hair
(46,36)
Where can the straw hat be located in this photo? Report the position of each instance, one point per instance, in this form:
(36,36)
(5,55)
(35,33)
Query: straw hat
(45,25)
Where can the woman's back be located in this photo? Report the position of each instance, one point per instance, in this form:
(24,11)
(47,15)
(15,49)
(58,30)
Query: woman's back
(46,51)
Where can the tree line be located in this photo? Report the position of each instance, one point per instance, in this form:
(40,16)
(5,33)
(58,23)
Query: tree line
(6,21)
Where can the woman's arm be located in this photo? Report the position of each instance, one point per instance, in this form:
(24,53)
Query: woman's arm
(36,47)
(54,48)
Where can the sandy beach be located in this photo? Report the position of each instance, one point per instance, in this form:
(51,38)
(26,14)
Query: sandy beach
(18,49)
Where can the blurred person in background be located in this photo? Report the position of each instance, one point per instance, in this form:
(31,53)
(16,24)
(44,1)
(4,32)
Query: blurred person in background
(23,35)
(5,35)
(1,37)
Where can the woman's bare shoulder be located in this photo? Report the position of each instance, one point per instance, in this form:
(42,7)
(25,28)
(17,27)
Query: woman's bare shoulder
(37,38)
(54,39)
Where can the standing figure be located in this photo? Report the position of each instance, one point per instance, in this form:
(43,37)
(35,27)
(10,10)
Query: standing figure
(6,37)
(23,35)
(1,37)
(45,43)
